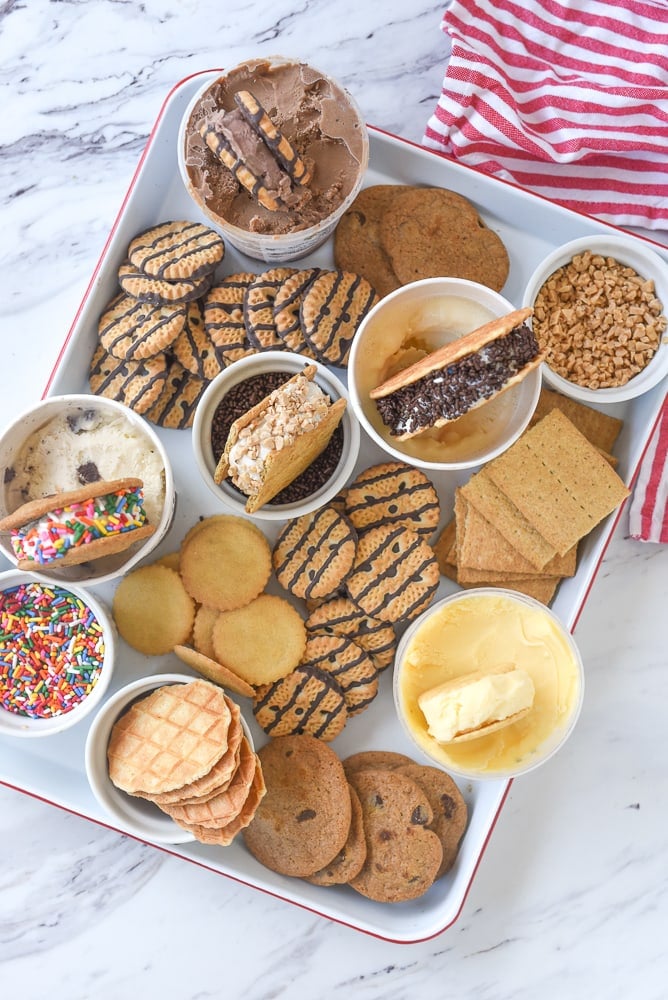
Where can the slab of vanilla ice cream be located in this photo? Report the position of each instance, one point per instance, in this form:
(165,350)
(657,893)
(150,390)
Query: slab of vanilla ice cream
(474,701)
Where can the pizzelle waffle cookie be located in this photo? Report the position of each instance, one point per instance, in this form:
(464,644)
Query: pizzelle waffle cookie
(183,748)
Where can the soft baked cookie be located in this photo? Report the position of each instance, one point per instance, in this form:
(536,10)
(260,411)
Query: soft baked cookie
(357,244)
(304,819)
(348,862)
(448,806)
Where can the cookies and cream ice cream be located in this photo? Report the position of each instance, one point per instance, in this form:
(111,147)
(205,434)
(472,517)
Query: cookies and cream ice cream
(274,146)
(484,633)
(85,445)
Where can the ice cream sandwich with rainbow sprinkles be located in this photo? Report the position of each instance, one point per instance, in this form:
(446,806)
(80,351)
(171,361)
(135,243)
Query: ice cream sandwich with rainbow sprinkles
(96,520)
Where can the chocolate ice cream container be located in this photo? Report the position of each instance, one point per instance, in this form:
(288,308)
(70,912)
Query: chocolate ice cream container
(65,442)
(272,153)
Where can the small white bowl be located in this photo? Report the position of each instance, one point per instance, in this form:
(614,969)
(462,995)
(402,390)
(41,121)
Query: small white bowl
(481,629)
(240,371)
(648,264)
(275,248)
(133,449)
(430,313)
(14,724)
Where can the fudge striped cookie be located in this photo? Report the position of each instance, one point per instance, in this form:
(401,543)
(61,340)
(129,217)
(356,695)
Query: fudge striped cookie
(279,145)
(222,149)
(132,330)
(177,250)
(193,347)
(175,406)
(306,700)
(259,308)
(224,317)
(349,665)
(396,573)
(136,384)
(313,554)
(148,288)
(393,493)
(341,616)
(332,309)
(287,304)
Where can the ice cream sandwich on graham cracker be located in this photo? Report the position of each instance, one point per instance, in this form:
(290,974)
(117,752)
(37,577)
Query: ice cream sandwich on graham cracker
(276,440)
(459,376)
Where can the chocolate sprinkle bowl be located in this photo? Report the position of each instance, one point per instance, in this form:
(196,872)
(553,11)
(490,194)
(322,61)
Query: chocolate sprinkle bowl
(407,326)
(235,391)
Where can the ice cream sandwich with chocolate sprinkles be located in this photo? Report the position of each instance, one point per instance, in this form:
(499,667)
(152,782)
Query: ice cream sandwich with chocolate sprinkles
(458,377)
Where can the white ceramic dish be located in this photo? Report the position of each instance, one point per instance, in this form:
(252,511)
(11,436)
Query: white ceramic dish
(271,361)
(490,619)
(72,405)
(13,725)
(434,312)
(647,263)
(531,228)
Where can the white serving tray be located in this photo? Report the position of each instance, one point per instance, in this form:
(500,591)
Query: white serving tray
(53,769)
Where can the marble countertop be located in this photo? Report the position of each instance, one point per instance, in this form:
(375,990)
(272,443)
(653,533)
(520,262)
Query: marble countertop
(570,898)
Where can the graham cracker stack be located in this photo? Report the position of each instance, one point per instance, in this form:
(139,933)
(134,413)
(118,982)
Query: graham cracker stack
(518,521)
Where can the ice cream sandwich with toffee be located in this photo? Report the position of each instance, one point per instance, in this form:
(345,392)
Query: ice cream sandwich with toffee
(70,528)
(458,377)
(276,440)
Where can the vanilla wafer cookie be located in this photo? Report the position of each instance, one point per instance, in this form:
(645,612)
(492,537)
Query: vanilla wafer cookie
(136,384)
(306,700)
(396,573)
(223,307)
(341,616)
(280,146)
(287,303)
(393,493)
(222,149)
(332,308)
(148,288)
(177,250)
(169,738)
(132,330)
(259,308)
(313,554)
(349,665)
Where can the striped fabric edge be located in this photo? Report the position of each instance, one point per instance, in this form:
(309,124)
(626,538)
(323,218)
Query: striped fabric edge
(648,512)
(526,88)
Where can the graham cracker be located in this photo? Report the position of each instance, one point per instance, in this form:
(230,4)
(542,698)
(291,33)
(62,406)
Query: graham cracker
(444,549)
(481,548)
(558,481)
(541,588)
(599,428)
(483,494)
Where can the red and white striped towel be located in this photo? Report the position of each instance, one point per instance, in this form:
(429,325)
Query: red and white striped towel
(568,98)
(648,511)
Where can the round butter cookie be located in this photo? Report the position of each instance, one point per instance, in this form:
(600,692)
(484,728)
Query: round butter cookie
(132,330)
(403,855)
(213,670)
(259,308)
(396,574)
(136,384)
(287,303)
(303,821)
(261,641)
(225,563)
(334,305)
(350,666)
(433,232)
(341,616)
(313,554)
(306,700)
(223,307)
(153,610)
(177,250)
(150,289)
(357,244)
(348,862)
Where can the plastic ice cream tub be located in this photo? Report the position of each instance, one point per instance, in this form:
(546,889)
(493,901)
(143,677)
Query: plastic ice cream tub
(327,131)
